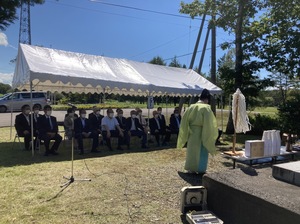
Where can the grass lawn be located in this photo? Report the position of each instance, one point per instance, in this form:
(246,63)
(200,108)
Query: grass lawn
(133,186)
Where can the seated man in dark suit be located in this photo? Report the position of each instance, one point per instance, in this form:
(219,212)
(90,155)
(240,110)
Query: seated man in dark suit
(121,119)
(23,125)
(175,120)
(82,129)
(161,117)
(95,120)
(48,130)
(158,128)
(135,128)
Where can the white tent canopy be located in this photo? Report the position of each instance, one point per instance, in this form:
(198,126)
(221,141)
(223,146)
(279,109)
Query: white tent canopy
(63,71)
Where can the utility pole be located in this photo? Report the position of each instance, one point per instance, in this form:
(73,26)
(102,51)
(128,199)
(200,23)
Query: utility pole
(213,60)
(197,43)
(203,50)
(25,30)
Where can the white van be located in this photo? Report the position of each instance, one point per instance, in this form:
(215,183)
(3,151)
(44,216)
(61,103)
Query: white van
(16,100)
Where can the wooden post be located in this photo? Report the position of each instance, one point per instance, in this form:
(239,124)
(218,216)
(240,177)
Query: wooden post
(235,123)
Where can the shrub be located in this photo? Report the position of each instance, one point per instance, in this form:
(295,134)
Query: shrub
(260,123)
(289,115)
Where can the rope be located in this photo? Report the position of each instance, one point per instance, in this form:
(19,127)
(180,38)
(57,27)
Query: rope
(239,113)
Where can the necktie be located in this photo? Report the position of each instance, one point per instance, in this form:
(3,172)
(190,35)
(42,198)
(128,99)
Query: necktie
(50,122)
(157,121)
(178,124)
(83,123)
(133,125)
(27,118)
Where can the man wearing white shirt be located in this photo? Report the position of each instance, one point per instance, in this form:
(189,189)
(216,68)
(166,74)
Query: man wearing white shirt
(111,128)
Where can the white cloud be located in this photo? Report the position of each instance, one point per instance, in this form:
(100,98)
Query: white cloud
(6,78)
(3,40)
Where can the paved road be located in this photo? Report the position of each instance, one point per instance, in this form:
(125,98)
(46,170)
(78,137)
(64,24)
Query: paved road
(6,118)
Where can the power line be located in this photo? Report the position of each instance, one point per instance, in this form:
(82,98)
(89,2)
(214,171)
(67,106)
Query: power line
(143,10)
(183,55)
(110,13)
(161,45)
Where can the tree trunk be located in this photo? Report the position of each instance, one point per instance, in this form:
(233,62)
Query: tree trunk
(238,46)
(238,57)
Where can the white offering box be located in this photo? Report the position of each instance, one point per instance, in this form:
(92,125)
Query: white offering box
(272,142)
(254,148)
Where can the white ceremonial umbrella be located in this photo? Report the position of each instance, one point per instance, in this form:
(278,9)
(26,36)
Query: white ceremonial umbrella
(239,115)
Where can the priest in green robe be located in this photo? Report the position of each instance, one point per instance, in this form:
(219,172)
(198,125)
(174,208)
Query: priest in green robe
(198,128)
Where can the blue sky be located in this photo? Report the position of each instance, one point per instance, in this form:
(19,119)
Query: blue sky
(89,27)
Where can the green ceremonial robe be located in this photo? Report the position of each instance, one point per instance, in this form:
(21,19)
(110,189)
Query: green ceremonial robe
(199,129)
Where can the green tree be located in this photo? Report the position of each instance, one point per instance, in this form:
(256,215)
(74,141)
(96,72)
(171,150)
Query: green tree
(157,61)
(233,16)
(4,88)
(275,37)
(289,115)
(8,13)
(175,63)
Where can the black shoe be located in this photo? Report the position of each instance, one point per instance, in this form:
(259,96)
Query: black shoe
(54,153)
(119,148)
(145,147)
(110,149)
(128,147)
(95,151)
(47,153)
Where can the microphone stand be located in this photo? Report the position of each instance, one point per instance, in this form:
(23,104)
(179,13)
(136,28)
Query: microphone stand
(72,179)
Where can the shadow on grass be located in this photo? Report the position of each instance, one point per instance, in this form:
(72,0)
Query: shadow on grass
(13,155)
(192,178)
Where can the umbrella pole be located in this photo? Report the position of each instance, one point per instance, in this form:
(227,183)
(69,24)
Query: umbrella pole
(235,123)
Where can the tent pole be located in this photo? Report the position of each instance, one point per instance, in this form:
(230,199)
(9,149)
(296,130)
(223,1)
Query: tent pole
(11,115)
(222,122)
(148,127)
(166,105)
(31,119)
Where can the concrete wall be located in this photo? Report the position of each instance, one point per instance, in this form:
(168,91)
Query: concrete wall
(234,206)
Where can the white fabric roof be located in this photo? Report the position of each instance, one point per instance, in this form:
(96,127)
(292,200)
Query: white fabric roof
(63,71)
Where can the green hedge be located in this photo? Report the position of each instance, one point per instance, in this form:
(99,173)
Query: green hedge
(260,123)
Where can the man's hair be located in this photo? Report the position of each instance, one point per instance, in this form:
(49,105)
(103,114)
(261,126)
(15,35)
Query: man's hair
(109,110)
(36,107)
(159,108)
(81,111)
(24,106)
(70,110)
(205,95)
(47,107)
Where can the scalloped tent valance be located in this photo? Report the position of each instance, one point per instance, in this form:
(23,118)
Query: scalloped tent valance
(62,71)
